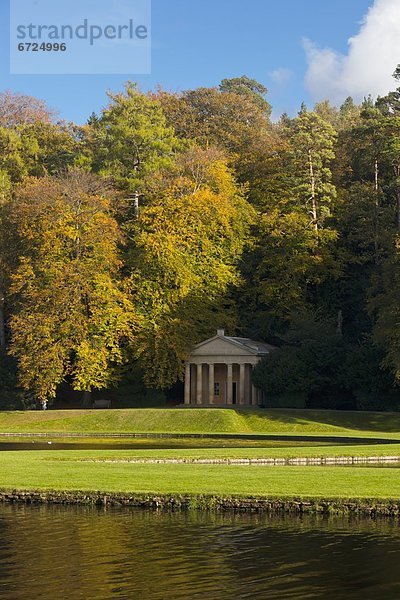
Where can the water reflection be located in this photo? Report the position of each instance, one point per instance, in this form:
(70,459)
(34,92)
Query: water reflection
(75,552)
(141,442)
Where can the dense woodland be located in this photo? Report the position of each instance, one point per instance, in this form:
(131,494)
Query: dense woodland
(125,241)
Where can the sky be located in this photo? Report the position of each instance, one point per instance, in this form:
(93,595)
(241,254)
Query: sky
(301,51)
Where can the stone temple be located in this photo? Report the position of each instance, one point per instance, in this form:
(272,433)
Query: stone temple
(218,371)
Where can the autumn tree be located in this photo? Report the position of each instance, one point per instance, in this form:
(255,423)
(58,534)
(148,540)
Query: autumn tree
(19,109)
(71,312)
(234,118)
(219,217)
(5,195)
(188,241)
(36,148)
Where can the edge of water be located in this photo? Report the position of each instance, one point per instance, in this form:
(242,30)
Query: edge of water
(353,506)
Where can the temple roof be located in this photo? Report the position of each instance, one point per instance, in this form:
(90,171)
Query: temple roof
(259,347)
(221,343)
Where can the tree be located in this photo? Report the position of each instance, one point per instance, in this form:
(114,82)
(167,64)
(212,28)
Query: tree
(308,363)
(349,114)
(50,149)
(233,118)
(288,263)
(5,195)
(248,88)
(384,308)
(390,104)
(313,141)
(228,117)
(328,113)
(130,140)
(184,259)
(361,371)
(293,254)
(16,153)
(19,109)
(71,312)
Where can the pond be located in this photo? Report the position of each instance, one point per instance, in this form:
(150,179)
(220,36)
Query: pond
(152,442)
(49,552)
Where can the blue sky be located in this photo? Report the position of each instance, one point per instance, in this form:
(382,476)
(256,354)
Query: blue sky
(199,42)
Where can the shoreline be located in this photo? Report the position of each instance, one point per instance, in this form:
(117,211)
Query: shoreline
(265,462)
(364,507)
(345,440)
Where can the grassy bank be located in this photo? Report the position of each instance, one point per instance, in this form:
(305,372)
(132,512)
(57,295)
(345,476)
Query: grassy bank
(318,435)
(370,507)
(204,448)
(230,452)
(45,471)
(205,421)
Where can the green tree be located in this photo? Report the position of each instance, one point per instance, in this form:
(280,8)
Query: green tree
(307,364)
(249,88)
(384,307)
(56,148)
(294,248)
(130,140)
(313,141)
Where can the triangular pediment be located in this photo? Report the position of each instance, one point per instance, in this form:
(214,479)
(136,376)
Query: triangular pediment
(224,346)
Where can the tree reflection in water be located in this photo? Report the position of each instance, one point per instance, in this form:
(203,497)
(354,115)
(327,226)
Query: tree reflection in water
(76,552)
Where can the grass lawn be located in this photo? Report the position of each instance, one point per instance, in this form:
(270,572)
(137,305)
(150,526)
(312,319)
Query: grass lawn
(205,421)
(38,470)
(225,453)
(86,469)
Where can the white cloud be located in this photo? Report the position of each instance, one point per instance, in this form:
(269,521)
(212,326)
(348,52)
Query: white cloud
(281,76)
(373,54)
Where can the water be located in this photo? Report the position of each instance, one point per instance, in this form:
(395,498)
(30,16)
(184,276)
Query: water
(184,442)
(76,552)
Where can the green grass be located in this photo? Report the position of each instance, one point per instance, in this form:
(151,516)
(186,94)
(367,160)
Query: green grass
(73,469)
(40,471)
(205,421)
(226,453)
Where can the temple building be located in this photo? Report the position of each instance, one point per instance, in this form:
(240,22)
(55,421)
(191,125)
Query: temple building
(218,371)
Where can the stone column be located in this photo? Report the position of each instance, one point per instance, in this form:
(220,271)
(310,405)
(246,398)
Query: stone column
(242,375)
(199,384)
(254,390)
(229,384)
(187,383)
(211,383)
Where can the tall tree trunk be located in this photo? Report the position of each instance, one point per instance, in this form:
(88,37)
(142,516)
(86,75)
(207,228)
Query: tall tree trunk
(313,199)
